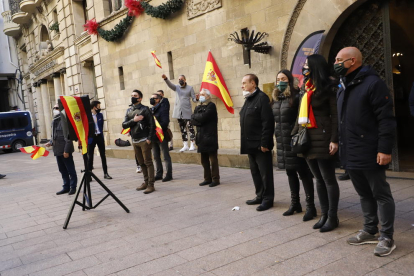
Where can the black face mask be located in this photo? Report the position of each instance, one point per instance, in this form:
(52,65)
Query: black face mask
(152,101)
(181,82)
(340,68)
(98,110)
(134,100)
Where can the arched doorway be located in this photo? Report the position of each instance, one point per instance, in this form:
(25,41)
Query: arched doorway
(381,30)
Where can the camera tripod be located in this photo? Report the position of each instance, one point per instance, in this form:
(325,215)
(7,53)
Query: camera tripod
(86,203)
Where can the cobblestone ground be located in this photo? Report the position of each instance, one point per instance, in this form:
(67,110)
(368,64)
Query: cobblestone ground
(182,228)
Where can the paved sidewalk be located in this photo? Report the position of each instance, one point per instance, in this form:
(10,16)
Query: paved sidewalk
(181,229)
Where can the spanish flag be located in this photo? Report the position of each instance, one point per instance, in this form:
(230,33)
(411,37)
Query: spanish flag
(126,131)
(158,130)
(214,82)
(76,113)
(36,151)
(157,61)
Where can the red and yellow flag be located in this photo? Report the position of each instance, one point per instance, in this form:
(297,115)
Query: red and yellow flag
(214,82)
(157,61)
(76,113)
(125,131)
(158,130)
(36,151)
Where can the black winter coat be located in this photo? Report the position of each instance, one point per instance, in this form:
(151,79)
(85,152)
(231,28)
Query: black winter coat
(285,116)
(58,141)
(326,116)
(256,123)
(366,121)
(162,113)
(141,129)
(205,119)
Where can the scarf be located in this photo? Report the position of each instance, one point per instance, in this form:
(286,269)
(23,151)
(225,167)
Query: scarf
(306,116)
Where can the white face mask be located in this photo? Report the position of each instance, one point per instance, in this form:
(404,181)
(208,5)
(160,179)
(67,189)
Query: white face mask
(246,93)
(56,112)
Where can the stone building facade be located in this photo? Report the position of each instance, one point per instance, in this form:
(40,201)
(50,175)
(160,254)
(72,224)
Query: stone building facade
(72,62)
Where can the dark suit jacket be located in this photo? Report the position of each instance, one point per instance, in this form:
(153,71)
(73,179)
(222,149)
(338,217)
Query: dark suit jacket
(58,141)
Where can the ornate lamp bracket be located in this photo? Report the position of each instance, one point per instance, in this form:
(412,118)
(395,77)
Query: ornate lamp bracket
(250,41)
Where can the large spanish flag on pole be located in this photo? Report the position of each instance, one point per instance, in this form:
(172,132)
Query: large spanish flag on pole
(76,113)
(214,82)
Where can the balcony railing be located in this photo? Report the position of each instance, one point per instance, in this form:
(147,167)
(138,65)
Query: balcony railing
(6,17)
(9,27)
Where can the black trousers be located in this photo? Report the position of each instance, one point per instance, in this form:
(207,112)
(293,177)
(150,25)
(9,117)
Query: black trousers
(306,176)
(261,167)
(375,195)
(213,173)
(157,148)
(326,185)
(97,140)
(67,169)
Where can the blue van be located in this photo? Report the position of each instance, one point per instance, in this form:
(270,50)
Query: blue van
(15,130)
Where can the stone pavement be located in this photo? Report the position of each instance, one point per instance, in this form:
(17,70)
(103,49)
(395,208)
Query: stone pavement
(181,229)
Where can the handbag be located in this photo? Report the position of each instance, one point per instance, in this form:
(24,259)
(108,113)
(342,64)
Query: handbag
(168,135)
(122,143)
(300,142)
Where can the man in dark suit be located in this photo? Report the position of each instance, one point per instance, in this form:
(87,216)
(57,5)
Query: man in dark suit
(257,126)
(63,149)
(97,139)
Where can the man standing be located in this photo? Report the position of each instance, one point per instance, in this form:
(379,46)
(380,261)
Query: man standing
(162,113)
(63,149)
(257,127)
(182,109)
(139,118)
(366,128)
(165,101)
(97,139)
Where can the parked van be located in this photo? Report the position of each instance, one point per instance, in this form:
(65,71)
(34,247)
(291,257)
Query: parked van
(16,130)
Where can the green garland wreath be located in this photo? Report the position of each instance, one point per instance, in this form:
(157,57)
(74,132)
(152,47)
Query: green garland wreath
(118,31)
(163,10)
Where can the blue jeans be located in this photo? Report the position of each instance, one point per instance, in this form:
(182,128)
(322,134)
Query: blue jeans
(68,171)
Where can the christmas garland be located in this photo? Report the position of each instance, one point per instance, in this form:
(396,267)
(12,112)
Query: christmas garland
(135,8)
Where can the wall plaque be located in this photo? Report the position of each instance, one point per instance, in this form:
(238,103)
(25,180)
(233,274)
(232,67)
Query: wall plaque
(45,67)
(199,7)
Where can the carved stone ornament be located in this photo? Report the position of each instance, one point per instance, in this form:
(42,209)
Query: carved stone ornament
(199,7)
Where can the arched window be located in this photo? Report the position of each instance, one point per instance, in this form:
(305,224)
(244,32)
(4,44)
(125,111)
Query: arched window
(44,34)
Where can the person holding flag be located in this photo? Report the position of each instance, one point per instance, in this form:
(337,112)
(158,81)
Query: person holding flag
(161,114)
(139,118)
(63,149)
(182,109)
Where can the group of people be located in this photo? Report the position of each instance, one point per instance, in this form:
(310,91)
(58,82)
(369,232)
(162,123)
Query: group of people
(354,115)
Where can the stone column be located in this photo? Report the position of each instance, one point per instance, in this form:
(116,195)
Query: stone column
(46,107)
(40,128)
(65,89)
(57,85)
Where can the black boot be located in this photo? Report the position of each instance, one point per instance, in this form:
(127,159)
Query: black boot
(310,209)
(330,224)
(294,205)
(321,222)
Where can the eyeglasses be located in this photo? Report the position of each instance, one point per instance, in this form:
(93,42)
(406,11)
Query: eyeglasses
(56,108)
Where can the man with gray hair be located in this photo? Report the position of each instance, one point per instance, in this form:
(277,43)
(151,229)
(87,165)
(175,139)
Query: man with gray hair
(182,109)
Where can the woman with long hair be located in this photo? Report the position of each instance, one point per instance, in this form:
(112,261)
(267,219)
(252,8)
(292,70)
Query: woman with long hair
(318,113)
(285,110)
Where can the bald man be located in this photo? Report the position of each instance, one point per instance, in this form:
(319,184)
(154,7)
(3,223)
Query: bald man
(366,137)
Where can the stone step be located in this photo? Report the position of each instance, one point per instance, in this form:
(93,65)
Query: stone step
(226,157)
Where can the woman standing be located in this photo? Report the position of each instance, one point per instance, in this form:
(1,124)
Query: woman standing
(319,114)
(285,110)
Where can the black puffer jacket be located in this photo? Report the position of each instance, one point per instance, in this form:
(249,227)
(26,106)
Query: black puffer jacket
(205,119)
(285,115)
(256,124)
(326,116)
(366,121)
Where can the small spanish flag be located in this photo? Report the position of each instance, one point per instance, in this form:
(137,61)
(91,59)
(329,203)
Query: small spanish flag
(157,61)
(36,151)
(126,131)
(77,115)
(158,130)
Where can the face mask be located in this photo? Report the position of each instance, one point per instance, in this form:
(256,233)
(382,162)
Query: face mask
(282,85)
(134,100)
(152,101)
(56,112)
(98,110)
(340,69)
(202,99)
(181,82)
(246,93)
(305,72)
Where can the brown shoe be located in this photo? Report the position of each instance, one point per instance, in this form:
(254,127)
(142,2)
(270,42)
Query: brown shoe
(142,187)
(149,189)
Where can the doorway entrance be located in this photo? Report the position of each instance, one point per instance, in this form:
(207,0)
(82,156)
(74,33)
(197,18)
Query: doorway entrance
(381,30)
